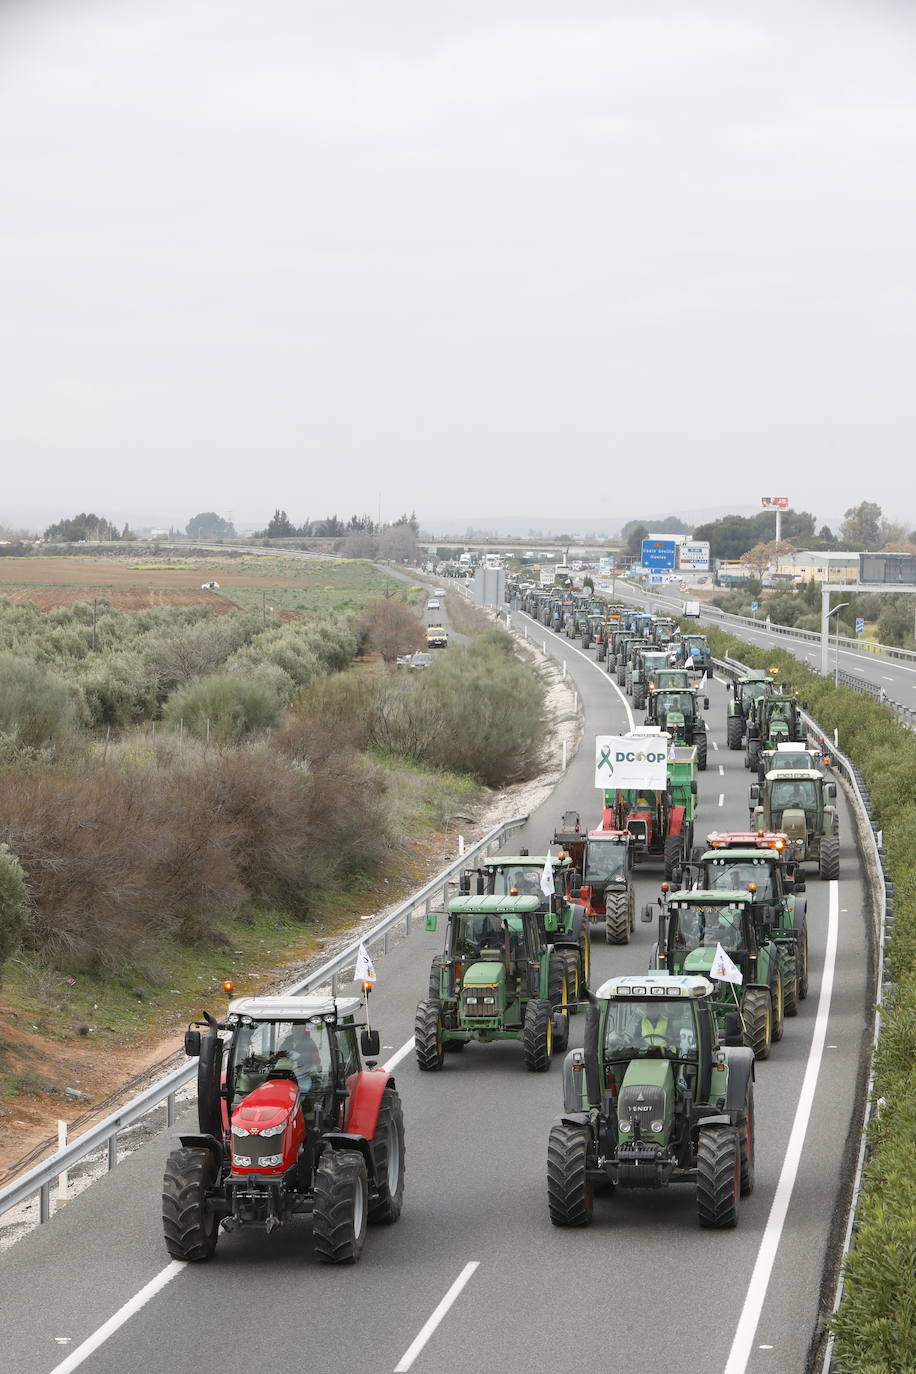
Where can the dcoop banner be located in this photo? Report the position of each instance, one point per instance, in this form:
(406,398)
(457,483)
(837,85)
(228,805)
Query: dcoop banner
(631,763)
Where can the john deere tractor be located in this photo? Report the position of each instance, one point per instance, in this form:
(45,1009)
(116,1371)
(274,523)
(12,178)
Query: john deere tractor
(498,980)
(759,864)
(776,720)
(602,863)
(646,661)
(693,923)
(745,691)
(654,1099)
(291,1124)
(678,713)
(801,802)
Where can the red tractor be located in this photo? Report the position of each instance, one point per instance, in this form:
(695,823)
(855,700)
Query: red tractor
(659,826)
(290,1124)
(603,862)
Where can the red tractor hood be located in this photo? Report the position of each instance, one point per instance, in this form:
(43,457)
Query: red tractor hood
(268,1105)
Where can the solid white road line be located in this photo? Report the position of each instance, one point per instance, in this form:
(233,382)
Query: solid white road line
(766,1255)
(608,677)
(721,798)
(413,1350)
(124,1314)
(89,1346)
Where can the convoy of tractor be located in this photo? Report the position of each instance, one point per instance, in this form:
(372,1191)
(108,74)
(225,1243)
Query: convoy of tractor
(293,1123)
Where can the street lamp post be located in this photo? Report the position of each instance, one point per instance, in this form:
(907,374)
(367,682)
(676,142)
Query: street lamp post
(836,666)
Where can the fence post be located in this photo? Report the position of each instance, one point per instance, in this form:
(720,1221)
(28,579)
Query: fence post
(44,1203)
(170,1112)
(112,1151)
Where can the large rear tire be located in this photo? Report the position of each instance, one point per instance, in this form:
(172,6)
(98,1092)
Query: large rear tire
(639,696)
(341,1211)
(191,1232)
(718,1177)
(617,918)
(435,980)
(788,959)
(674,854)
(802,961)
(828,865)
(569,1194)
(779,1010)
(427,1038)
(699,739)
(734,732)
(758,1021)
(538,1036)
(746,1129)
(573,974)
(388,1148)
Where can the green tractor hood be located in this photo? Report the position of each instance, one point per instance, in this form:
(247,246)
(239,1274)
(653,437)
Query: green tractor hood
(699,961)
(487,973)
(646,1096)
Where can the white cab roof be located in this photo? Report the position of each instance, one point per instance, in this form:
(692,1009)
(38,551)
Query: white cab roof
(293,1008)
(656,985)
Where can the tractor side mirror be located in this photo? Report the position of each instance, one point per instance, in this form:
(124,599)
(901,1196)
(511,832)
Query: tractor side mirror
(192,1043)
(830,790)
(431,921)
(370,1044)
(731,1034)
(648,913)
(755,792)
(706,703)
(550,919)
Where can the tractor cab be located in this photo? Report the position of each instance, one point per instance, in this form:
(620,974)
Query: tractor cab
(794,800)
(699,921)
(789,755)
(663,678)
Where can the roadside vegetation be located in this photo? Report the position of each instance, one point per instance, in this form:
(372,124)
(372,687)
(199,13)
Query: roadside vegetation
(876,1325)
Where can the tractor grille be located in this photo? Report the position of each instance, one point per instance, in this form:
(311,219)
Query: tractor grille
(481,1001)
(253,1152)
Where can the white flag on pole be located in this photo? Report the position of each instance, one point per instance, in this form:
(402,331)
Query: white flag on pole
(547,886)
(365,969)
(725,970)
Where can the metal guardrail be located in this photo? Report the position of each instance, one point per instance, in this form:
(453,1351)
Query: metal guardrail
(106,1132)
(905,714)
(883,890)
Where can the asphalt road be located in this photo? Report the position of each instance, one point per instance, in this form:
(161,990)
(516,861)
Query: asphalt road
(643,1289)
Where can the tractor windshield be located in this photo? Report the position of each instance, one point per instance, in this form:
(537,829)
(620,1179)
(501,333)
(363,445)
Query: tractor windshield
(793,794)
(605,861)
(632,1028)
(705,926)
(476,933)
(734,876)
(750,691)
(518,880)
(261,1047)
(677,701)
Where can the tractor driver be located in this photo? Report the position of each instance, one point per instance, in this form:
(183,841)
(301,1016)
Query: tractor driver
(299,1053)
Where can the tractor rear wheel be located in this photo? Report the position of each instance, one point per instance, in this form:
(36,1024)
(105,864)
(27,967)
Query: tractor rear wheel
(621,675)
(611,663)
(571,959)
(585,955)
(718,1177)
(538,1036)
(699,739)
(734,731)
(639,696)
(801,960)
(746,1129)
(788,958)
(557,988)
(427,1040)
(779,1010)
(191,1232)
(617,918)
(673,855)
(388,1149)
(341,1209)
(828,863)
(435,980)
(569,1192)
(758,1021)
(631,899)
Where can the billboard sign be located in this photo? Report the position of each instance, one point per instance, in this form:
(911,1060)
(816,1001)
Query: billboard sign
(659,555)
(774,502)
(547,575)
(631,763)
(695,554)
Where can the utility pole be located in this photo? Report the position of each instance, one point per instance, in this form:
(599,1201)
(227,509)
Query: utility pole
(264,610)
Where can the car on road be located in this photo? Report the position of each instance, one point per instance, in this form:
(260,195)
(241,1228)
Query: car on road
(420,660)
(432,604)
(209,586)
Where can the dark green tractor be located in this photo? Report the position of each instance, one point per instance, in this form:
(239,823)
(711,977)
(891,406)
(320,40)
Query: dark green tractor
(496,979)
(779,906)
(654,1098)
(776,720)
(693,924)
(616,661)
(801,803)
(646,661)
(677,711)
(745,692)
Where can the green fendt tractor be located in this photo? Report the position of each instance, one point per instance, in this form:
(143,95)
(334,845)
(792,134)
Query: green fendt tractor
(744,693)
(519,875)
(789,756)
(653,1099)
(678,713)
(497,980)
(776,720)
(738,860)
(801,802)
(693,923)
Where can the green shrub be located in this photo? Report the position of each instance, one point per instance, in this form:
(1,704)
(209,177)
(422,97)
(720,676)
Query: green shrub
(35,705)
(224,708)
(13,905)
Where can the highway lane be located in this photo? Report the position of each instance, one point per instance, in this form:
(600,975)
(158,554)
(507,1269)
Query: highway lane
(475,1191)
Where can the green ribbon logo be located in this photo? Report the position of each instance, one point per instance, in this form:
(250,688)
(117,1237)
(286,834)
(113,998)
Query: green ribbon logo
(605,759)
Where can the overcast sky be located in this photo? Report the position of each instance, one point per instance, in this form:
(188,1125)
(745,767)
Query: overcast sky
(476,258)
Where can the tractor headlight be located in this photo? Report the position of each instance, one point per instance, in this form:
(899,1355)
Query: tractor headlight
(274,1130)
(625,1125)
(239,1130)
(271,1161)
(243,1161)
(489,1001)
(656,1126)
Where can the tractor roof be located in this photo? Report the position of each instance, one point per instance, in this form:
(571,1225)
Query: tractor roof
(746,839)
(656,984)
(743,852)
(795,773)
(720,896)
(526,860)
(755,675)
(289,1008)
(493,906)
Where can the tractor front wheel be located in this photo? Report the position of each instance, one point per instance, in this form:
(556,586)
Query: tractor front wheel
(617,918)
(829,860)
(758,1021)
(427,1038)
(718,1177)
(569,1193)
(538,1036)
(341,1209)
(388,1146)
(191,1232)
